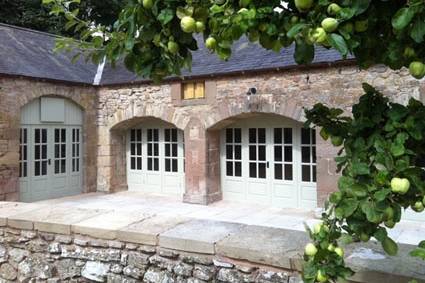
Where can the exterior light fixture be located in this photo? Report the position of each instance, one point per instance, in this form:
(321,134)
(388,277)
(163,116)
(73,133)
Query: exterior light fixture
(251,91)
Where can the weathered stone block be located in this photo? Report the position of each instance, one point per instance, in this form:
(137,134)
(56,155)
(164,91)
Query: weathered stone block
(95,271)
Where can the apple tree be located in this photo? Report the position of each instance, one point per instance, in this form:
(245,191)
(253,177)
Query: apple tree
(380,150)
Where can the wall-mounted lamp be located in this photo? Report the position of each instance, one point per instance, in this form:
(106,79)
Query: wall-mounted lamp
(251,91)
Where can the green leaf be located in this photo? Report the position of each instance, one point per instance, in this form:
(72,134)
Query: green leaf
(295,30)
(418,31)
(166,16)
(381,194)
(360,6)
(304,53)
(402,18)
(372,214)
(360,168)
(348,206)
(338,42)
(397,149)
(418,253)
(359,190)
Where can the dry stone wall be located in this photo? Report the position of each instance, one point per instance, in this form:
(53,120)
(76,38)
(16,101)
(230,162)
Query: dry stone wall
(30,256)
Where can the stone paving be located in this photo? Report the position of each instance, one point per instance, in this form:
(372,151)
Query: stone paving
(406,232)
(248,233)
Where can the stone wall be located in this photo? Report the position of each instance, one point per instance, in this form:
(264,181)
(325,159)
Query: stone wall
(30,256)
(15,93)
(283,93)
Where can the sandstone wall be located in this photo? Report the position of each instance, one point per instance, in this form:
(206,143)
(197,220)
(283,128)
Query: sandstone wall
(15,93)
(30,256)
(284,93)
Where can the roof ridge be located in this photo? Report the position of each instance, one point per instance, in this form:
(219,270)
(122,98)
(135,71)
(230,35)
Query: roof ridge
(30,30)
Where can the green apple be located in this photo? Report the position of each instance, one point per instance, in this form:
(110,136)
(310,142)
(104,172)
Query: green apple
(321,277)
(310,249)
(339,251)
(244,3)
(361,26)
(331,248)
(329,24)
(254,36)
(418,206)
(211,43)
(304,5)
(388,213)
(199,26)
(347,27)
(409,52)
(389,223)
(173,47)
(400,185)
(294,19)
(317,227)
(364,237)
(147,4)
(319,35)
(417,69)
(336,140)
(188,24)
(333,9)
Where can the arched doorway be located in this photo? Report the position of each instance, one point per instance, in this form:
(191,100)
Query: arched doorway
(268,159)
(51,158)
(155,157)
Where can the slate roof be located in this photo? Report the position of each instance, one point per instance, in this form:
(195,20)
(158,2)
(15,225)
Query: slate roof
(29,53)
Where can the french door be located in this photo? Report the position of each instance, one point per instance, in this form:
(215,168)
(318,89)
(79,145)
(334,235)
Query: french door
(156,159)
(269,162)
(50,161)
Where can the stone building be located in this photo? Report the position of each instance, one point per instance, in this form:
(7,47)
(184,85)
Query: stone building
(226,130)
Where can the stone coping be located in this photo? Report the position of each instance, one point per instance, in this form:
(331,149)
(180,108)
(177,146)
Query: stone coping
(274,247)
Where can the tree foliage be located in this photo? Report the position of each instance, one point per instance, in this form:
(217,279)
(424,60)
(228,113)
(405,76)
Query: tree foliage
(382,175)
(378,31)
(32,14)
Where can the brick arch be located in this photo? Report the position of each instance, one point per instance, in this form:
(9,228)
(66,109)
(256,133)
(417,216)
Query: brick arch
(133,113)
(256,105)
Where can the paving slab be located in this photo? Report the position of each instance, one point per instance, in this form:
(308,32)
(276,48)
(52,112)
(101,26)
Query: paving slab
(52,219)
(8,209)
(105,226)
(198,236)
(264,245)
(146,231)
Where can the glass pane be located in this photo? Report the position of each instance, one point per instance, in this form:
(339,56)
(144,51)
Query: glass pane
(278,153)
(37,136)
(314,173)
(313,136)
(278,171)
(149,134)
(133,163)
(25,169)
(238,169)
(57,151)
(25,136)
(262,170)
(139,149)
(44,168)
(167,135)
(229,152)
(252,135)
(156,135)
(277,136)
(156,149)
(156,164)
(288,172)
(238,135)
(262,152)
(44,151)
(37,168)
(167,150)
(288,135)
(305,154)
(25,152)
(133,135)
(167,165)
(44,135)
(56,166)
(252,152)
(253,170)
(63,166)
(288,153)
(314,154)
(63,134)
(175,166)
(229,168)
(139,163)
(229,135)
(150,149)
(63,150)
(305,172)
(150,164)
(139,135)
(174,147)
(56,135)
(174,135)
(238,152)
(37,152)
(305,136)
(262,135)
